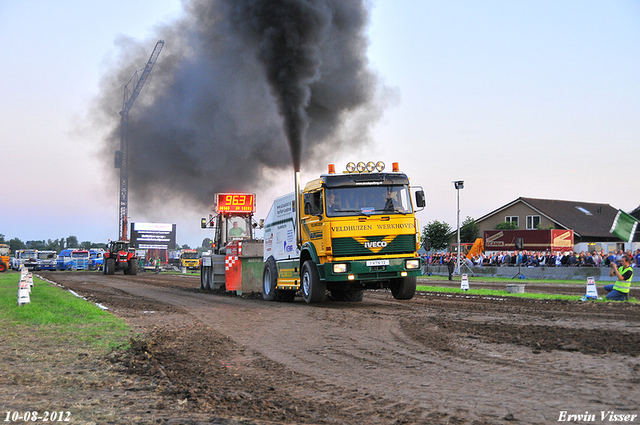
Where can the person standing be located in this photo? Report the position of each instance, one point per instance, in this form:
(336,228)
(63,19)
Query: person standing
(620,290)
(451,265)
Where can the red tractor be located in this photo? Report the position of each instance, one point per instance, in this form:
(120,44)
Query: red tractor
(120,255)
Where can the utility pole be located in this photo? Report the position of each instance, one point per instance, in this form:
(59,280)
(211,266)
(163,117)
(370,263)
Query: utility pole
(458,185)
(122,156)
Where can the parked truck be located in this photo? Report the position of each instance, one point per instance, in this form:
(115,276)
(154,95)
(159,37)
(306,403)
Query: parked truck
(47,260)
(25,257)
(189,259)
(344,233)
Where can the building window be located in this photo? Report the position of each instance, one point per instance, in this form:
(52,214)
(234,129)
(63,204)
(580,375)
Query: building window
(533,221)
(512,219)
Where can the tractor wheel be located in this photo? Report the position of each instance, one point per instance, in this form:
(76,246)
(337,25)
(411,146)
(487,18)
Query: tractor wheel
(3,267)
(269,280)
(110,266)
(133,267)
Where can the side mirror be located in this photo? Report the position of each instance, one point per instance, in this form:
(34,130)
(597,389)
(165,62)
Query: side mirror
(420,199)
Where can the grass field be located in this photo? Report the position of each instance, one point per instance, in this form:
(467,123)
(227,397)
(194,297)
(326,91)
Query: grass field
(58,316)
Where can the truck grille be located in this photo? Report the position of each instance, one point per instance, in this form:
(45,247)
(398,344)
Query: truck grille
(345,247)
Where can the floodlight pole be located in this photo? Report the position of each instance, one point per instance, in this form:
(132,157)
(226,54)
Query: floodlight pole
(458,185)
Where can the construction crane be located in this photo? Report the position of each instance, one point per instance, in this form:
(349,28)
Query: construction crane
(122,156)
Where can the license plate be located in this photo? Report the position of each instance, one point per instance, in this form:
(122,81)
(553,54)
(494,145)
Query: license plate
(373,263)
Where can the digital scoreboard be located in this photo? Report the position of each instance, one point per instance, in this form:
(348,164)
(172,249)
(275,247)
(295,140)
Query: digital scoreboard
(235,203)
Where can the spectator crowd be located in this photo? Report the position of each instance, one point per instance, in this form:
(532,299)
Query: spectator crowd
(535,259)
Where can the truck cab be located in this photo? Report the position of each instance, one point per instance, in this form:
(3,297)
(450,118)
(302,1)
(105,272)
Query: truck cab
(189,259)
(25,257)
(47,260)
(96,259)
(354,231)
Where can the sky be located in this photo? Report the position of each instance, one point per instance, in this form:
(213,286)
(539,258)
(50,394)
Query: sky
(533,99)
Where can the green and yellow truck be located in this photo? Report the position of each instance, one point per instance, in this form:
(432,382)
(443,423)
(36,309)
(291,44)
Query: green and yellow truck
(344,233)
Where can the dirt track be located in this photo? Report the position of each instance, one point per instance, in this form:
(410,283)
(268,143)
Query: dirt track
(434,359)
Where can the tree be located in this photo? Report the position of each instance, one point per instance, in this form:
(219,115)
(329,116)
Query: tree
(469,231)
(16,244)
(435,233)
(506,225)
(72,242)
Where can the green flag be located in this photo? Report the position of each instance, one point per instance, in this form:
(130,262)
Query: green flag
(624,226)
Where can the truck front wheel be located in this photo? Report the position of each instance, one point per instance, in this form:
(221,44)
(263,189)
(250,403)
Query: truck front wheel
(313,289)
(403,288)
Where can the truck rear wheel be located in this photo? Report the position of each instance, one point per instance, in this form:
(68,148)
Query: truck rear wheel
(269,280)
(403,288)
(313,289)
(3,267)
(110,266)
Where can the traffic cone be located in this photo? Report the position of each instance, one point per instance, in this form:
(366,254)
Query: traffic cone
(23,293)
(592,290)
(464,284)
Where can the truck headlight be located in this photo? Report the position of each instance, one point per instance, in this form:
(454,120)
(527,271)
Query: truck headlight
(412,264)
(339,268)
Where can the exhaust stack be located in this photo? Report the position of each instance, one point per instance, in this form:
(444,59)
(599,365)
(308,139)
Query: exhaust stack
(296,203)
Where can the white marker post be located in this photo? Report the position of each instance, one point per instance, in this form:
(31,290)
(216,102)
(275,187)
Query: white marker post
(592,291)
(464,284)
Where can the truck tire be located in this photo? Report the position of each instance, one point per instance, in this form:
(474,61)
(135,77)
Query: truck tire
(353,295)
(269,280)
(313,289)
(110,266)
(403,288)
(3,267)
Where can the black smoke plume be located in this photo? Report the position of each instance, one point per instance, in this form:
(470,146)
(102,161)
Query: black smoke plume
(241,89)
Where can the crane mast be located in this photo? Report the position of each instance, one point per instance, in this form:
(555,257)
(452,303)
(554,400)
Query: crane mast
(122,156)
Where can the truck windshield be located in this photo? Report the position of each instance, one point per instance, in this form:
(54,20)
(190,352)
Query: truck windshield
(189,255)
(46,255)
(367,200)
